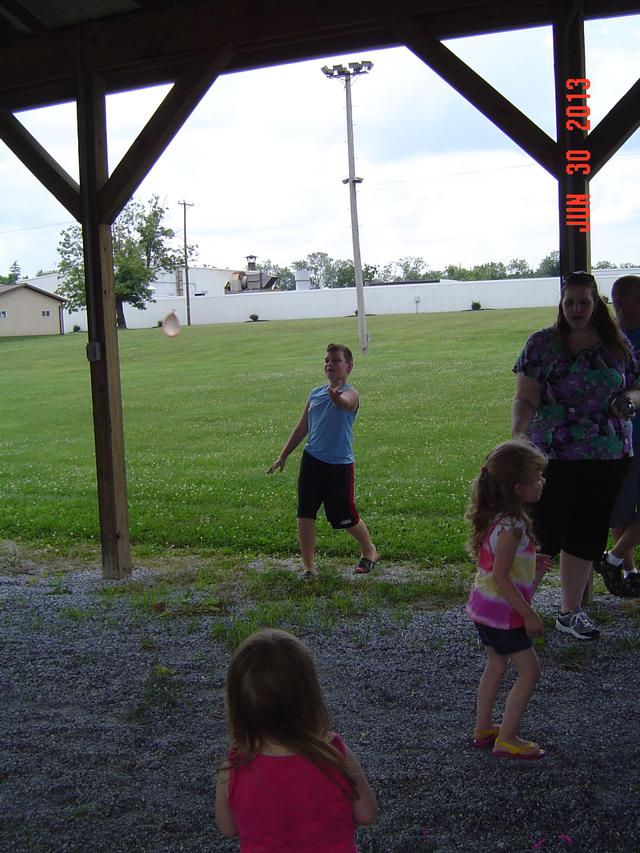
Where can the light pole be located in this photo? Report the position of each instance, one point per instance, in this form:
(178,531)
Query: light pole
(341,72)
(185,205)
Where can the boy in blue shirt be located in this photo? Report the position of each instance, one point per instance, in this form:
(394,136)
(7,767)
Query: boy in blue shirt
(617,566)
(327,464)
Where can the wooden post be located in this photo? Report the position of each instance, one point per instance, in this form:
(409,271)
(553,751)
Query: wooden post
(102,348)
(573,150)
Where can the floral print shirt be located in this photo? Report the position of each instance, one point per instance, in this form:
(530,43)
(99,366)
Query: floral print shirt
(573,420)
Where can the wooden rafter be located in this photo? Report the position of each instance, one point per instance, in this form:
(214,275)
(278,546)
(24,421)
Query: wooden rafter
(163,125)
(616,127)
(40,163)
(515,124)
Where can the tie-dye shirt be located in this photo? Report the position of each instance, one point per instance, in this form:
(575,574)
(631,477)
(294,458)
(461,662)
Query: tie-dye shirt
(486,604)
(573,420)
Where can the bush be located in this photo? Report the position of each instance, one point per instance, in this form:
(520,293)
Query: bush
(254,317)
(475,306)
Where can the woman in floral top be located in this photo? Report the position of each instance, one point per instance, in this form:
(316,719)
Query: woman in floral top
(575,383)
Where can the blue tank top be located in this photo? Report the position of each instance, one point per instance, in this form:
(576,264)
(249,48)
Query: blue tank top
(329,428)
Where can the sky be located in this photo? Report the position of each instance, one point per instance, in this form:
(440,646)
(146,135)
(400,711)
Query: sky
(262,159)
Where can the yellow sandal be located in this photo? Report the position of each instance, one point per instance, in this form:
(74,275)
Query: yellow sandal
(528,751)
(484,738)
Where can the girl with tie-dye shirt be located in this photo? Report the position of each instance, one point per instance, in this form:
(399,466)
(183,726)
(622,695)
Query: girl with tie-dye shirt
(509,570)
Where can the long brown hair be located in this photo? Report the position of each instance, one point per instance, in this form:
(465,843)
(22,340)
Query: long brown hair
(273,693)
(606,327)
(493,490)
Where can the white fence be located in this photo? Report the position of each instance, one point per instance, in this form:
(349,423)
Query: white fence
(340,302)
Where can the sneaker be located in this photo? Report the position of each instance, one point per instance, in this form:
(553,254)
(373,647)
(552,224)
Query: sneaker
(631,585)
(611,575)
(577,623)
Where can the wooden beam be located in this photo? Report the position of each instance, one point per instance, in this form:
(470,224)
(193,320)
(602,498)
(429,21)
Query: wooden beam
(102,348)
(24,17)
(40,163)
(161,128)
(135,49)
(573,170)
(481,94)
(620,123)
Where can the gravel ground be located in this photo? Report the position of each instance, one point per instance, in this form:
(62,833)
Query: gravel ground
(112,724)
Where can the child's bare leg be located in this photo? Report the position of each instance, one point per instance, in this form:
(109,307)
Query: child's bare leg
(361,534)
(307,539)
(528,666)
(490,681)
(626,539)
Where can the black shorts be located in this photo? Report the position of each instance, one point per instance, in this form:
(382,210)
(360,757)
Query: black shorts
(331,485)
(504,641)
(573,513)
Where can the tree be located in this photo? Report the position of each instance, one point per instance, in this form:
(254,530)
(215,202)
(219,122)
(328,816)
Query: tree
(286,276)
(457,273)
(13,276)
(413,269)
(321,268)
(140,247)
(549,266)
(345,274)
(605,265)
(489,271)
(519,268)
(406,269)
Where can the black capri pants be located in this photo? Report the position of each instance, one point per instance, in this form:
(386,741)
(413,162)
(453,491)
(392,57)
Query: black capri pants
(573,512)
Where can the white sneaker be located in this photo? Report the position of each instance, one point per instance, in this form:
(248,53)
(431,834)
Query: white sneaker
(577,623)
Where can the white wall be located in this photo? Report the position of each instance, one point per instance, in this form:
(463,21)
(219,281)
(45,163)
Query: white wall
(338,302)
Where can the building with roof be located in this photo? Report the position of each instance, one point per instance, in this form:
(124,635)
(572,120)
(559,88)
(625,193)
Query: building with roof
(29,310)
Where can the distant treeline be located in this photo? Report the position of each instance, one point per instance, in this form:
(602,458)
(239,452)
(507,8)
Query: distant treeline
(327,272)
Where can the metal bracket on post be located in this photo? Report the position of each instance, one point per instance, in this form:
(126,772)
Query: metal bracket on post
(94,351)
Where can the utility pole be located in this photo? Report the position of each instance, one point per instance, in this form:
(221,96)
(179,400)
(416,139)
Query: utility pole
(185,205)
(342,73)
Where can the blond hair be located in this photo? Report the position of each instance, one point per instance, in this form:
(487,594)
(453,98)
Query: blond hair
(493,490)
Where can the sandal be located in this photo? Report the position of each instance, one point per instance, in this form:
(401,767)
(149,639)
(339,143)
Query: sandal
(485,737)
(365,565)
(528,751)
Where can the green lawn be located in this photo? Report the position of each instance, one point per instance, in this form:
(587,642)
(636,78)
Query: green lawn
(207,412)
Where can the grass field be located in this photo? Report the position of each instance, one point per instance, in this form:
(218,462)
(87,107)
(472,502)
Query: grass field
(207,412)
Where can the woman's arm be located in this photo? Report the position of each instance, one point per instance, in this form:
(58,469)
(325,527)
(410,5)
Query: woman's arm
(506,548)
(525,404)
(365,807)
(299,432)
(224,815)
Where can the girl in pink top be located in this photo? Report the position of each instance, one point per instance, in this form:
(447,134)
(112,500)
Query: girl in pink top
(289,784)
(509,570)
